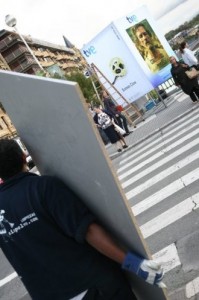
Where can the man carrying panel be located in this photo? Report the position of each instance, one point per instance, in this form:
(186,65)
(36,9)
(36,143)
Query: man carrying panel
(55,244)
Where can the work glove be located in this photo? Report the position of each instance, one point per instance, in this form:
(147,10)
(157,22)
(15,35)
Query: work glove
(148,270)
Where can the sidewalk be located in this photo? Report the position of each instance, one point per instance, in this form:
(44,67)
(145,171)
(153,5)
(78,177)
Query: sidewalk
(178,105)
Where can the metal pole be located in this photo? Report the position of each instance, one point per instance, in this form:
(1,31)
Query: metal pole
(90,71)
(161,99)
(31,52)
(96,92)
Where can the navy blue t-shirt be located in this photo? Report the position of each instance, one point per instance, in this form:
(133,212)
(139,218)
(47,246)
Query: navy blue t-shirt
(42,233)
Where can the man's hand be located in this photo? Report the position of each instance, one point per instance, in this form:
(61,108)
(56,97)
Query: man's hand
(148,270)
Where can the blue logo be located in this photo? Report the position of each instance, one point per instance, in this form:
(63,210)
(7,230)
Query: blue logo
(90,51)
(132,19)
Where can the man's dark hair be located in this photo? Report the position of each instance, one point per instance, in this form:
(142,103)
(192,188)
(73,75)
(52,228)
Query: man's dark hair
(182,47)
(11,158)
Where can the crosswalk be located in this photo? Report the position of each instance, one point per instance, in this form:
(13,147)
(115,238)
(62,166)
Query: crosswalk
(160,178)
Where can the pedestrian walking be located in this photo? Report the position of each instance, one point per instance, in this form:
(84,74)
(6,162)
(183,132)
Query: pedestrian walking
(189,86)
(101,131)
(104,121)
(111,109)
(188,55)
(55,244)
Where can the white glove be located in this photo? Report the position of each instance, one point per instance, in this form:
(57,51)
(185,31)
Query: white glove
(148,270)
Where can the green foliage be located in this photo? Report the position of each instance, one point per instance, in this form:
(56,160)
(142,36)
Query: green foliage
(185,26)
(85,85)
(175,47)
(153,94)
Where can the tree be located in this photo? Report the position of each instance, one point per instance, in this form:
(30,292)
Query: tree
(169,35)
(85,85)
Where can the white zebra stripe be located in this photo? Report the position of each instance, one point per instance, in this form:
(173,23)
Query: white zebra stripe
(192,288)
(160,163)
(148,183)
(168,257)
(158,154)
(167,191)
(144,148)
(8,279)
(170,216)
(153,149)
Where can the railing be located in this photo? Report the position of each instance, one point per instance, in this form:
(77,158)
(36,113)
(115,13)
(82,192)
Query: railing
(167,85)
(23,66)
(10,57)
(7,41)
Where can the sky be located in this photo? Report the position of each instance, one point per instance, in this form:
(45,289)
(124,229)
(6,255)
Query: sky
(81,20)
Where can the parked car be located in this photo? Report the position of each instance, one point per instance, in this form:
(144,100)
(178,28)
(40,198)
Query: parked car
(163,93)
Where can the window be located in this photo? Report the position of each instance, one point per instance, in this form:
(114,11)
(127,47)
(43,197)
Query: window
(22,60)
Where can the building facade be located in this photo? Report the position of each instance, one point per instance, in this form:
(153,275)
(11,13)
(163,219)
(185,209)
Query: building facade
(54,59)
(7,130)
(50,56)
(3,64)
(6,127)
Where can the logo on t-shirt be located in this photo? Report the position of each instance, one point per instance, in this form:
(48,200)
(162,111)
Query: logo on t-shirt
(5,225)
(7,229)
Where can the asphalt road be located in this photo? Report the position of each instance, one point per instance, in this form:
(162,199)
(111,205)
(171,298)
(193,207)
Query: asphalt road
(160,178)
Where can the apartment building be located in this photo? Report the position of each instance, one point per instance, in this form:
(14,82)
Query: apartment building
(6,127)
(3,64)
(15,56)
(50,56)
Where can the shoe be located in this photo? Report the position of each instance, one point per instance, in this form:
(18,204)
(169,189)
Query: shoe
(125,146)
(127,133)
(119,150)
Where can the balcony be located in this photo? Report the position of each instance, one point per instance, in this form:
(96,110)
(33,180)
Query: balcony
(15,54)
(25,65)
(5,43)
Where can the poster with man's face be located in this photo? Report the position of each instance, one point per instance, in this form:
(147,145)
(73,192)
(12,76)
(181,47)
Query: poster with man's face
(148,45)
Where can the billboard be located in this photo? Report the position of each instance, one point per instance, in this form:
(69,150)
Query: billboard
(114,59)
(132,54)
(147,44)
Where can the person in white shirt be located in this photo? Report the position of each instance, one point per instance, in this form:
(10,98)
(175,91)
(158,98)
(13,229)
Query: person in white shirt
(188,55)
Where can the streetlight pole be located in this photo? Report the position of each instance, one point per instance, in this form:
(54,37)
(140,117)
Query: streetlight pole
(11,22)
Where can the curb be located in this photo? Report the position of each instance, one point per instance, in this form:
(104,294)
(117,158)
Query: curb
(116,155)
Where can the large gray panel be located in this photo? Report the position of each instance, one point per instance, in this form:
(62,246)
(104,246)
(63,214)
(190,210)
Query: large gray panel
(53,121)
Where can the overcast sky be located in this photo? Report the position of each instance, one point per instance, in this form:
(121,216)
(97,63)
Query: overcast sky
(81,20)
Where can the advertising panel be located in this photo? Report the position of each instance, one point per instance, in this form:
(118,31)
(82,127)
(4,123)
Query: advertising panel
(147,44)
(112,57)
